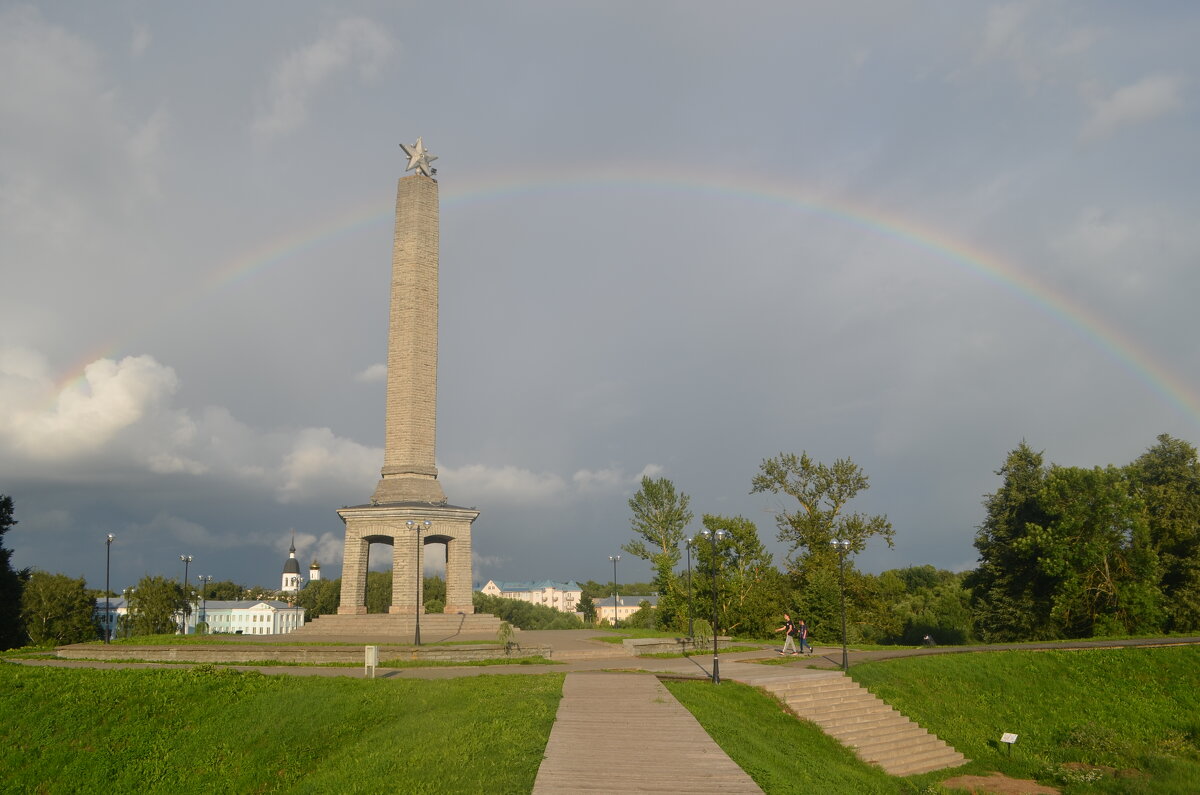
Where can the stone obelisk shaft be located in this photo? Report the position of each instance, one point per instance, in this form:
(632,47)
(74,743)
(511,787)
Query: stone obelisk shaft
(409,460)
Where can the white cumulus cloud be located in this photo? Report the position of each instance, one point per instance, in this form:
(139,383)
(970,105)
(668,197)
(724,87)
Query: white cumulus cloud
(86,414)
(321,463)
(1143,101)
(301,75)
(373,374)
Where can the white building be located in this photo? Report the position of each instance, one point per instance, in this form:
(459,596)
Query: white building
(241,617)
(250,617)
(563,596)
(626,606)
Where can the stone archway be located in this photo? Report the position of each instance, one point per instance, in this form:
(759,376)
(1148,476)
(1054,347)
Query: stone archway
(388,524)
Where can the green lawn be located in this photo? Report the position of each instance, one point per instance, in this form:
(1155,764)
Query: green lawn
(209,729)
(1135,710)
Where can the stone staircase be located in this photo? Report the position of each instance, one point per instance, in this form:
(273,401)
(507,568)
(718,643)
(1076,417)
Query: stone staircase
(850,713)
(398,629)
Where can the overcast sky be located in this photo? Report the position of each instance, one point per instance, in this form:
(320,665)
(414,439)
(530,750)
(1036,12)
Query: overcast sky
(677,238)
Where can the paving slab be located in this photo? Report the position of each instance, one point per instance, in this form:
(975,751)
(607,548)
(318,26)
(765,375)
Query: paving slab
(626,733)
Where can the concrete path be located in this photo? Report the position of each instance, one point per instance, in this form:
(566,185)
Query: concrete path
(618,733)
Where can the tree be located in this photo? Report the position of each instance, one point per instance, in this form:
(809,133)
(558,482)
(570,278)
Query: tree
(752,594)
(1009,595)
(379,591)
(58,610)
(1167,480)
(319,598)
(225,590)
(587,606)
(1094,550)
(660,514)
(11,633)
(154,604)
(823,492)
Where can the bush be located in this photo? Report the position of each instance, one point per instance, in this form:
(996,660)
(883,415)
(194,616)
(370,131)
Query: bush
(524,615)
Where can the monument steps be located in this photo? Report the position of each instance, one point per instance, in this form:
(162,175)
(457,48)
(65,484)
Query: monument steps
(862,721)
(396,628)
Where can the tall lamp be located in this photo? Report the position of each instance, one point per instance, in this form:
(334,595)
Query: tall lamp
(204,580)
(614,559)
(418,527)
(687,543)
(187,559)
(714,537)
(842,546)
(108,622)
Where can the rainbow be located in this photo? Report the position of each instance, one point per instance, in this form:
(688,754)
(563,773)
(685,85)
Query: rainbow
(1133,357)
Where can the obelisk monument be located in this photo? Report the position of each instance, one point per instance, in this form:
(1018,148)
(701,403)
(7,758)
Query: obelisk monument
(409,509)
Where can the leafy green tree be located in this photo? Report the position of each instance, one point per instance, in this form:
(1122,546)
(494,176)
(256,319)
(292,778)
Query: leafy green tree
(11,582)
(1010,595)
(660,514)
(823,492)
(1167,480)
(154,603)
(752,594)
(57,609)
(1096,551)
(587,606)
(435,591)
(320,598)
(379,591)
(920,601)
(225,590)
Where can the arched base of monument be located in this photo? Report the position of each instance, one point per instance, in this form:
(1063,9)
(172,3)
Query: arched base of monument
(408,528)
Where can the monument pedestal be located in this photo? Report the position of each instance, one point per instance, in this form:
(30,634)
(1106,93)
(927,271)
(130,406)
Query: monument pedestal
(389,524)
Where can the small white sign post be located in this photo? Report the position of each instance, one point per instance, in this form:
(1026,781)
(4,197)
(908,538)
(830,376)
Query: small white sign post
(372,661)
(1008,738)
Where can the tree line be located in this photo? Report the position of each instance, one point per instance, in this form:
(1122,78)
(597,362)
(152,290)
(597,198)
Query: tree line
(1064,552)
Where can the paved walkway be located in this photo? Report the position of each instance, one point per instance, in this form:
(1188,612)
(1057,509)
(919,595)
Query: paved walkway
(618,733)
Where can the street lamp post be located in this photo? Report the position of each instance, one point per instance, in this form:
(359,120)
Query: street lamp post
(714,537)
(418,527)
(108,622)
(204,580)
(614,559)
(187,559)
(687,543)
(842,546)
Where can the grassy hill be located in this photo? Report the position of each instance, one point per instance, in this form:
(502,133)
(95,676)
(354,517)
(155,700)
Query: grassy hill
(205,729)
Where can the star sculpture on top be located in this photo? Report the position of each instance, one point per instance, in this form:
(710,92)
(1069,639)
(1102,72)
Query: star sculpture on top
(419,158)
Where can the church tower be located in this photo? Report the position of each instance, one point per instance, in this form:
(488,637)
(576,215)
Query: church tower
(291,570)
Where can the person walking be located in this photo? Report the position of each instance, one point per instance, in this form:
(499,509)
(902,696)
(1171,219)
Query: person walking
(802,634)
(789,631)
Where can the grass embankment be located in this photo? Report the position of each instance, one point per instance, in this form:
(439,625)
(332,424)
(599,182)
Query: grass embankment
(66,730)
(1135,710)
(1112,720)
(212,730)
